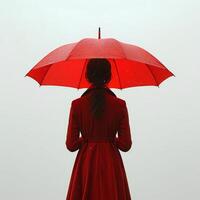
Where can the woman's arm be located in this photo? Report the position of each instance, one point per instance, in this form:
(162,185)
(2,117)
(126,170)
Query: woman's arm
(124,141)
(73,141)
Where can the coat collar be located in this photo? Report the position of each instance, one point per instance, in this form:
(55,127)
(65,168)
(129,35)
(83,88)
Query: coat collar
(92,87)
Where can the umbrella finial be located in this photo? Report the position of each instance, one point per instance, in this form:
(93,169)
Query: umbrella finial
(99,35)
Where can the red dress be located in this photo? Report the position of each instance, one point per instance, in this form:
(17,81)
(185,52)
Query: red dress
(98,172)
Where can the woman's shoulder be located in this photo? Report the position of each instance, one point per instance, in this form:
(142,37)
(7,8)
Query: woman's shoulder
(121,101)
(75,101)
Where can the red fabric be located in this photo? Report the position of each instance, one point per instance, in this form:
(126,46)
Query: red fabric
(131,66)
(98,172)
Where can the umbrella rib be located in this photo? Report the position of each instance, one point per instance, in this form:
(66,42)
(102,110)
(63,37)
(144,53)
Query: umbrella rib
(45,74)
(82,72)
(120,46)
(119,43)
(117,74)
(152,75)
(73,49)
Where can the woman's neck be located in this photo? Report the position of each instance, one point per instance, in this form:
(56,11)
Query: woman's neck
(101,86)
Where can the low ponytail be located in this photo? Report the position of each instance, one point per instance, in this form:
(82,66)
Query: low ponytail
(98,73)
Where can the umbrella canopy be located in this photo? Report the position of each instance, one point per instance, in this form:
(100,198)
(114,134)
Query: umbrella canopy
(131,65)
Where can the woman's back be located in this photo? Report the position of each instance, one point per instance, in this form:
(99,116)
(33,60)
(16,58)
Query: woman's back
(98,172)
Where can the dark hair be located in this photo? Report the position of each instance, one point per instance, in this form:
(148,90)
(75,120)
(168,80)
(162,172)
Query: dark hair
(98,73)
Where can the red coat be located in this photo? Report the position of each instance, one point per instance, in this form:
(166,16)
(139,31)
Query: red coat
(98,172)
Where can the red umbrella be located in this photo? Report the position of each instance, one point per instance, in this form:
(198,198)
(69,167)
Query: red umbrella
(131,65)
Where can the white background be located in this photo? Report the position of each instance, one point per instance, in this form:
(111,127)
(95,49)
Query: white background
(163,163)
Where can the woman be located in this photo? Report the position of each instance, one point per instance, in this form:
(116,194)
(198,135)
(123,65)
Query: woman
(98,172)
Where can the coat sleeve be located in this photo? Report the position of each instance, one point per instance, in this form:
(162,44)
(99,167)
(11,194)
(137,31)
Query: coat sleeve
(124,141)
(73,141)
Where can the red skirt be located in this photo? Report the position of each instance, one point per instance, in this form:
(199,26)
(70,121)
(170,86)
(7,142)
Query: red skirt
(98,173)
